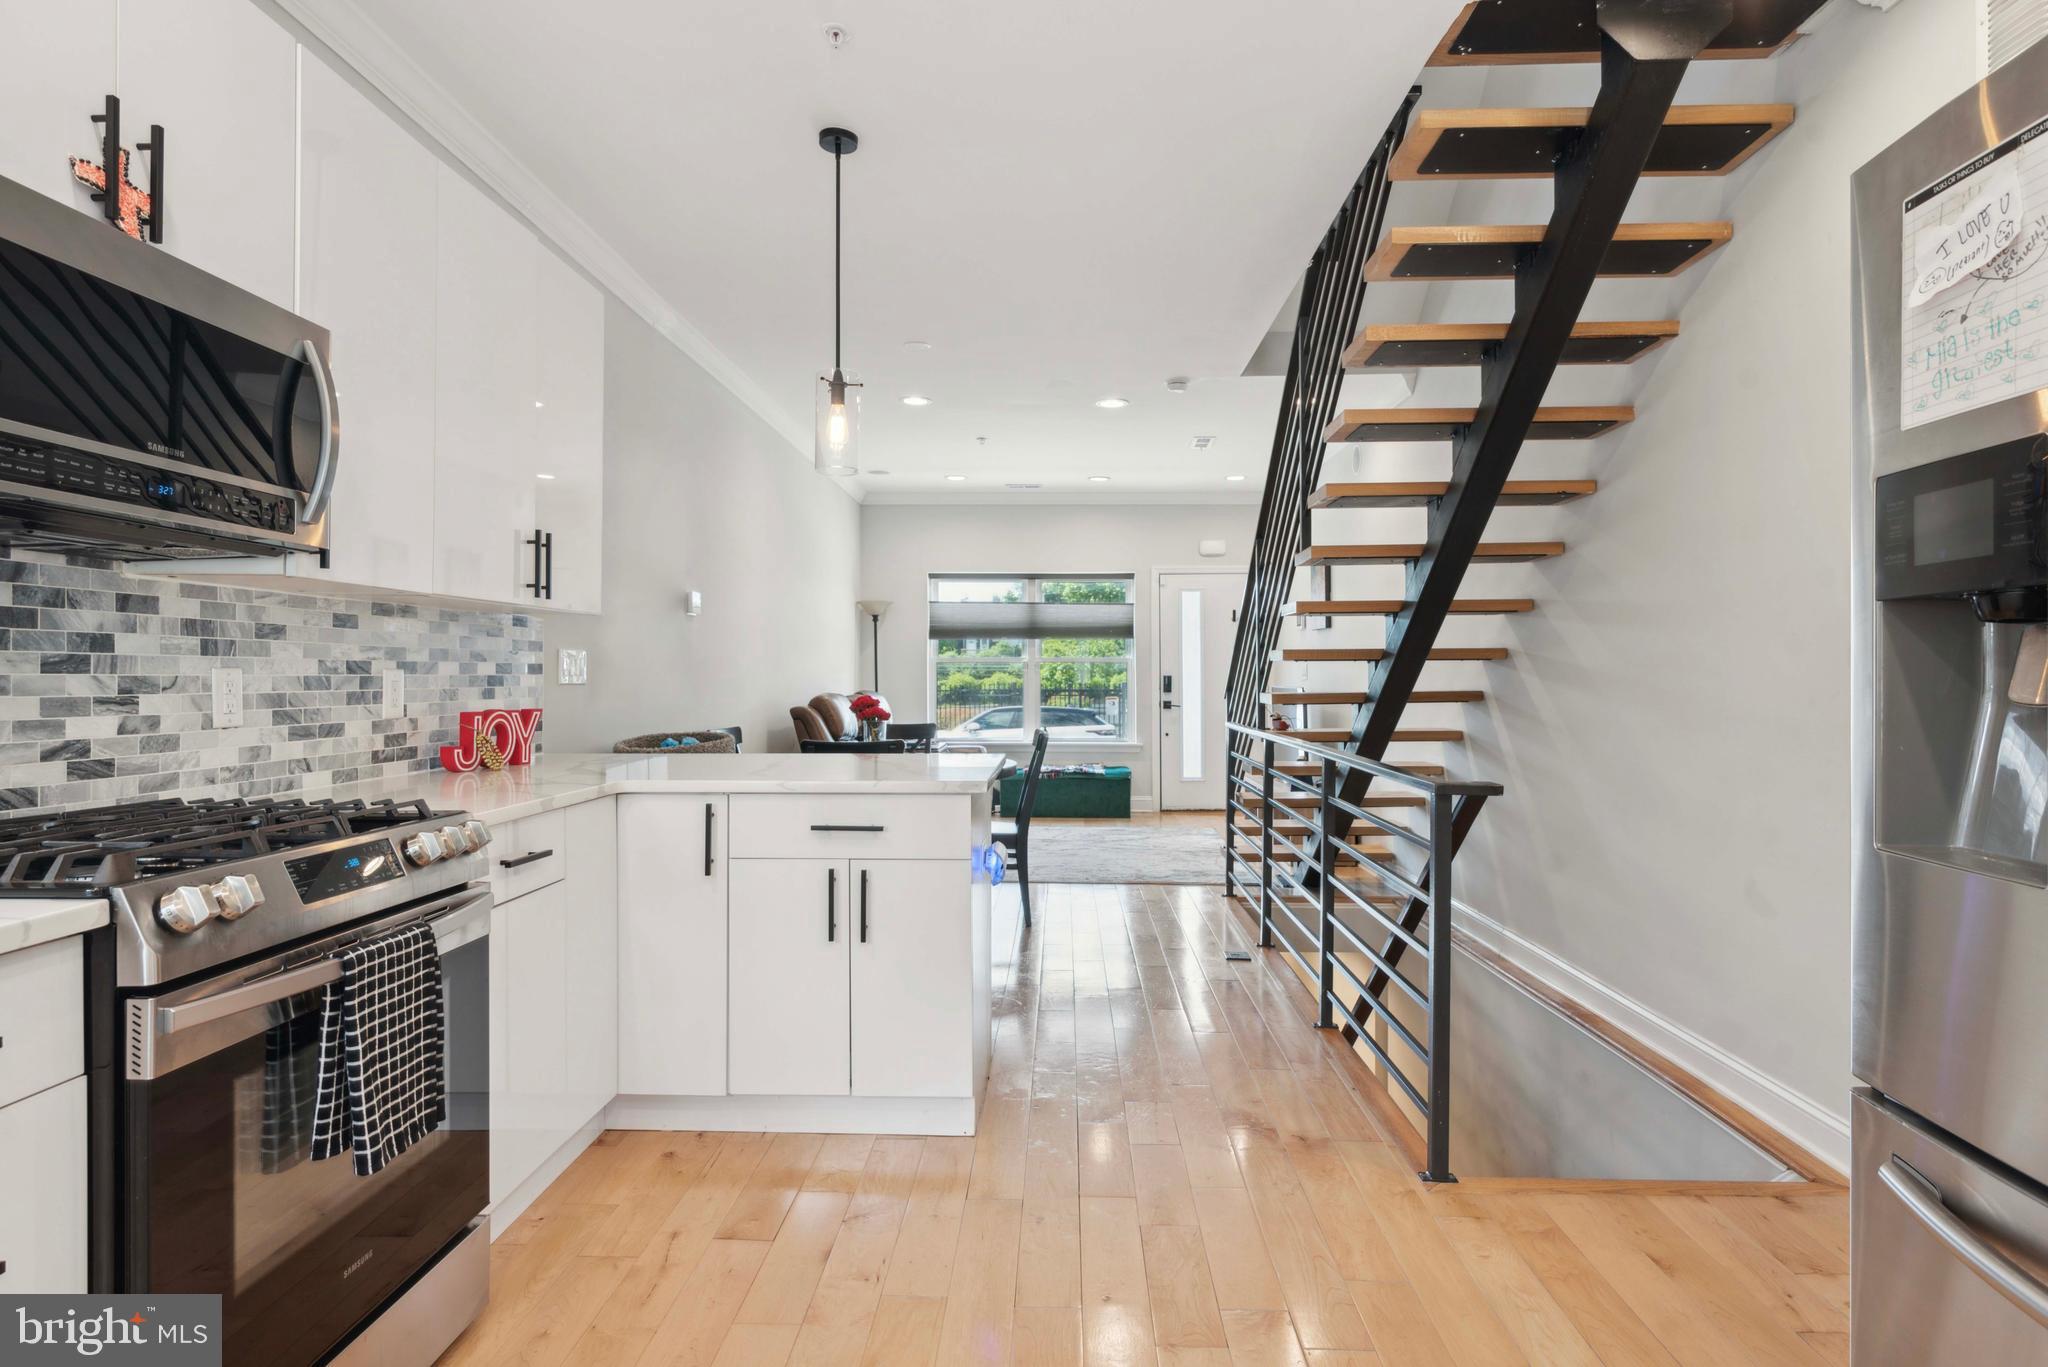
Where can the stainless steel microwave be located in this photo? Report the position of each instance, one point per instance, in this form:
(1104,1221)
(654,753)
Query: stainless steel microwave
(149,410)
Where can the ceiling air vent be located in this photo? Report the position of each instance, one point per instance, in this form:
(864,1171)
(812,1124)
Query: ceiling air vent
(2006,28)
(1204,443)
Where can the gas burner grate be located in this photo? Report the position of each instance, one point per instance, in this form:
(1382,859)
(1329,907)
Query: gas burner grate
(100,847)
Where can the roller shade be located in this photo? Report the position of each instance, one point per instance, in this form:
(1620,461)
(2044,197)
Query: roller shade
(1029,620)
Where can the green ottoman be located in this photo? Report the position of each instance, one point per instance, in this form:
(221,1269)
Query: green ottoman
(1074,790)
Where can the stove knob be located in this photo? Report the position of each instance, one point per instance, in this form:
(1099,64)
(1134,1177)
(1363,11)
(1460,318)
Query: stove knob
(425,848)
(184,910)
(457,840)
(478,832)
(235,896)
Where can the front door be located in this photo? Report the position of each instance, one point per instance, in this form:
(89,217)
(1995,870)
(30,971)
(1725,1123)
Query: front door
(1197,617)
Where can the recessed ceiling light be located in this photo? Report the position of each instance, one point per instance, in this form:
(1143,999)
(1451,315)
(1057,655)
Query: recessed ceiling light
(538,475)
(917,400)
(538,404)
(1234,479)
(1112,403)
(956,479)
(1098,479)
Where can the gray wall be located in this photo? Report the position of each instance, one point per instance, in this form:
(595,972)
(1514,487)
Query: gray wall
(106,685)
(701,494)
(901,544)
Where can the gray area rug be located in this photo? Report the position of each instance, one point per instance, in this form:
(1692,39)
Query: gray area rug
(1106,853)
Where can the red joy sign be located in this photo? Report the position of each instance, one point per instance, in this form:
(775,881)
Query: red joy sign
(510,730)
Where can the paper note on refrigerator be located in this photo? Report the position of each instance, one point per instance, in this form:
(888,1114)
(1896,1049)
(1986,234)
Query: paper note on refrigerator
(1973,302)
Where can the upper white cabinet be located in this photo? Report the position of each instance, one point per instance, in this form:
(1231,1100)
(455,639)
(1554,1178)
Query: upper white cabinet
(221,76)
(367,206)
(56,70)
(569,433)
(485,348)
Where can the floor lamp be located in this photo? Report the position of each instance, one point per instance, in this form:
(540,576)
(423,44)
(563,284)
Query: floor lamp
(874,608)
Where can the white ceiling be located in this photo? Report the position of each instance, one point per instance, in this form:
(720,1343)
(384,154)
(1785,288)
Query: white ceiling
(1068,202)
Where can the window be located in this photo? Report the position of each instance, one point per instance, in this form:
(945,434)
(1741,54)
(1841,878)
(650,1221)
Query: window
(1012,653)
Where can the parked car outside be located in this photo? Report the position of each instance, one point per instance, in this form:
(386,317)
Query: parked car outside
(1005,725)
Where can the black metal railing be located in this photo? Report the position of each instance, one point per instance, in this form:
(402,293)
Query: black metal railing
(1332,292)
(1406,903)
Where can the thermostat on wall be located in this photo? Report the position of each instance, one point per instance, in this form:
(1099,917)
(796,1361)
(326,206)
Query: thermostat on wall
(1212,548)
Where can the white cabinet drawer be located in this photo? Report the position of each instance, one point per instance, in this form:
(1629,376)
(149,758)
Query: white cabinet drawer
(42,1192)
(42,1017)
(528,855)
(848,826)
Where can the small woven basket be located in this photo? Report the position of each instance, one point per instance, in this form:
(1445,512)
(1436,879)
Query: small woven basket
(708,743)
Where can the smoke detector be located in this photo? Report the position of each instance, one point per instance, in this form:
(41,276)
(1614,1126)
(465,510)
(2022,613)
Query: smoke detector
(1204,443)
(836,36)
(1176,386)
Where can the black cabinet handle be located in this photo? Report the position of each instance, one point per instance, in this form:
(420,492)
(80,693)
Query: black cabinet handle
(831,905)
(867,830)
(543,544)
(863,906)
(549,591)
(710,810)
(531,857)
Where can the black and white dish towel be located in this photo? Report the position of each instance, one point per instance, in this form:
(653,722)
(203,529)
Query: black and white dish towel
(382,1088)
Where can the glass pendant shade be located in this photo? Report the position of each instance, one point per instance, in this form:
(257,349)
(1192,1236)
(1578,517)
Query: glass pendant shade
(838,425)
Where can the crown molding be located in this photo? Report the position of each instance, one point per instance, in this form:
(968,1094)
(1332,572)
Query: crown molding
(371,53)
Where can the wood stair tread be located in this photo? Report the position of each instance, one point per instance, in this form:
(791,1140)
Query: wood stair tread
(1520,144)
(1395,553)
(1489,252)
(1506,33)
(1443,424)
(1419,736)
(1399,346)
(1304,800)
(1389,607)
(1357,835)
(1343,698)
(1517,493)
(1373,654)
(1311,769)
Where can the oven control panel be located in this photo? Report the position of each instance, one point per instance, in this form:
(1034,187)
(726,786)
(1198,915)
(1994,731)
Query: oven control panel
(321,876)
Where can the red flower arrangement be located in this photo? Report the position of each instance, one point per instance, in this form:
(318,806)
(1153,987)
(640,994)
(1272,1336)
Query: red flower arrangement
(869,709)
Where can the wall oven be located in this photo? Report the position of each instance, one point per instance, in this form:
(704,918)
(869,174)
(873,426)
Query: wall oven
(148,409)
(221,1193)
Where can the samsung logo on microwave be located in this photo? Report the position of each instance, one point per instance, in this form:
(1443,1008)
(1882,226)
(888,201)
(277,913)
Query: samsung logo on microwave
(162,450)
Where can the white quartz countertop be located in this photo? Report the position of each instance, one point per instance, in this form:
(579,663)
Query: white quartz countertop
(32,921)
(565,780)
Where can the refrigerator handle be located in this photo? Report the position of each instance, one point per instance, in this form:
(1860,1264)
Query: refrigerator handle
(2001,1273)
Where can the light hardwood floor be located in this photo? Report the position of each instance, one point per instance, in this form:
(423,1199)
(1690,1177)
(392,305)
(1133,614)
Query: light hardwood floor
(1170,1168)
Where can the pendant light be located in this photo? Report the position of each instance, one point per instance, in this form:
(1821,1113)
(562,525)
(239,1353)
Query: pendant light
(838,399)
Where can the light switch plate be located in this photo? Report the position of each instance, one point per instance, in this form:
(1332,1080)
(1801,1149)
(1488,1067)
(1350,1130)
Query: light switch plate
(573,666)
(227,699)
(394,693)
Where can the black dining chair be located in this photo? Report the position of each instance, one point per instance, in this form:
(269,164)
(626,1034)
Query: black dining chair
(851,747)
(919,736)
(1015,836)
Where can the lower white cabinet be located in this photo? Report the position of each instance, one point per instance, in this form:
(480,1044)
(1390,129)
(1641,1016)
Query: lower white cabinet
(592,957)
(672,944)
(850,977)
(42,1192)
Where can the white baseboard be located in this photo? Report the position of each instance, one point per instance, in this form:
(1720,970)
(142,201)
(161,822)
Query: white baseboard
(795,1114)
(505,1212)
(1818,1129)
(1144,804)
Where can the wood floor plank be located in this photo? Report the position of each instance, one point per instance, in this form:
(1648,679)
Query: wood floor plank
(981,1304)
(906,1332)
(923,1264)
(1262,1338)
(696,1325)
(788,1278)
(1150,1122)
(1106,1160)
(1318,1301)
(1048,1336)
(1160,1175)
(1796,1302)
(1354,1237)
(1539,1325)
(1204,1142)
(756,1345)
(1239,1265)
(769,1189)
(1049,1257)
(841,1160)
(999,1150)
(644,1192)
(1184,1310)
(1116,1306)
(1401,1329)
(1600,1313)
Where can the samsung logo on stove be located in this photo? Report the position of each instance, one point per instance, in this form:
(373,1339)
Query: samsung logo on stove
(350,1270)
(164,450)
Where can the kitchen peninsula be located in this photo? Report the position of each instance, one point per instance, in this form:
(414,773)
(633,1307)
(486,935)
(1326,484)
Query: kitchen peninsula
(774,942)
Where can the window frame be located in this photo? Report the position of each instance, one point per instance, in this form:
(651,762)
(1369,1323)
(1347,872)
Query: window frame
(1034,658)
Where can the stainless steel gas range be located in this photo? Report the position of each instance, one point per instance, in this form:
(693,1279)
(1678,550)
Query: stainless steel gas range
(204,996)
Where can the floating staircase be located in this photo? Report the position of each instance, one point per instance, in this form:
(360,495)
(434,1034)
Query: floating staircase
(1594,158)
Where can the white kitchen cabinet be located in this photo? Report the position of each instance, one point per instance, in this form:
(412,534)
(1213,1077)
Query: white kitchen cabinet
(672,944)
(221,76)
(912,976)
(528,1110)
(42,1017)
(367,209)
(569,433)
(56,70)
(43,1192)
(485,454)
(789,968)
(591,891)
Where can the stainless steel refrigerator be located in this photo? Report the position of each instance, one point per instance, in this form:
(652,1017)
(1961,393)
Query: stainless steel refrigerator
(1949,1229)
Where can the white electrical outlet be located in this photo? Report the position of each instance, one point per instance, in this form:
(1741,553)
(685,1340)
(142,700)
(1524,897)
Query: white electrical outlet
(394,692)
(227,698)
(573,667)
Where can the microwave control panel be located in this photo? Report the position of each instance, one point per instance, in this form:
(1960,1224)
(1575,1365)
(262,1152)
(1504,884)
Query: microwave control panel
(131,482)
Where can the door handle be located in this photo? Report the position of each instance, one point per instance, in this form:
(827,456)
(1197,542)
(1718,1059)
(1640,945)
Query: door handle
(1999,1272)
(831,905)
(863,906)
(710,811)
(864,830)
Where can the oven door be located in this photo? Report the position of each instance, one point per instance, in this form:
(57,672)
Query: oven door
(219,1190)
